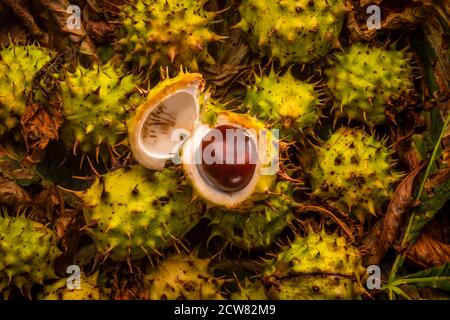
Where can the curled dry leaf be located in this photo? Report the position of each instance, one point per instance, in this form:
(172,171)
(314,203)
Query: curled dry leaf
(397,207)
(53,13)
(428,252)
(12,194)
(100,31)
(12,169)
(437,179)
(39,127)
(372,248)
(407,19)
(436,29)
(22,12)
(409,153)
(12,30)
(384,233)
(102,6)
(48,204)
(67,226)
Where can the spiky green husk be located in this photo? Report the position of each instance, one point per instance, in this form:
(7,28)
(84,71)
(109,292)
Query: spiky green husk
(89,290)
(250,291)
(210,109)
(135,212)
(18,66)
(183,277)
(167,33)
(318,266)
(292,31)
(96,102)
(28,250)
(258,226)
(365,81)
(284,102)
(354,171)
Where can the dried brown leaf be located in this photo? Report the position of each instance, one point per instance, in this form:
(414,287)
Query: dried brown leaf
(397,207)
(102,6)
(67,226)
(100,31)
(437,179)
(53,13)
(12,194)
(428,252)
(21,11)
(48,204)
(407,19)
(13,170)
(435,29)
(411,157)
(372,247)
(384,234)
(39,127)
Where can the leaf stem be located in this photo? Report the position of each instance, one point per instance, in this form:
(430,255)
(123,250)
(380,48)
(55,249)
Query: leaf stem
(433,155)
(400,258)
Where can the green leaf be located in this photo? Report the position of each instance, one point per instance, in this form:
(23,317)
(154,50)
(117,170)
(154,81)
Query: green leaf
(427,54)
(435,277)
(430,204)
(428,209)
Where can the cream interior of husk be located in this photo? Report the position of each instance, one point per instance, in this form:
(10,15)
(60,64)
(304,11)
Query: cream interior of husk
(164,127)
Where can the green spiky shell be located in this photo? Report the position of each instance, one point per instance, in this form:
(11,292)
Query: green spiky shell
(89,290)
(292,31)
(18,66)
(258,226)
(96,101)
(135,212)
(210,109)
(184,277)
(250,291)
(283,101)
(318,266)
(167,33)
(28,250)
(354,171)
(364,81)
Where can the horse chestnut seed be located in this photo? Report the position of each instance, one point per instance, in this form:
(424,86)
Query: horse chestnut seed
(228,158)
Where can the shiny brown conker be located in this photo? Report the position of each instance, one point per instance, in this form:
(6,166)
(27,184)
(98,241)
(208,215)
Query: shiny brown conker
(228,158)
